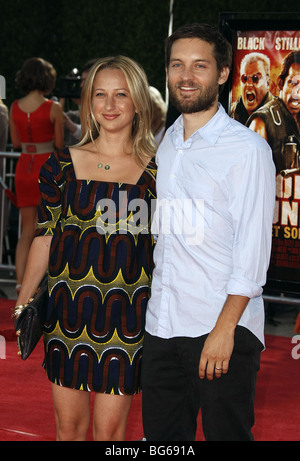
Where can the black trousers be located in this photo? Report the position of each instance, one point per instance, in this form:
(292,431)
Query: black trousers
(173,393)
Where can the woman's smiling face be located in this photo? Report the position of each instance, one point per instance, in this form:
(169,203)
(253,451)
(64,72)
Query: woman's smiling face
(112,104)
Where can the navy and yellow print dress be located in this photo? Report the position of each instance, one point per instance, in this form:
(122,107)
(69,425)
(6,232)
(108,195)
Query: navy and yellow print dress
(99,278)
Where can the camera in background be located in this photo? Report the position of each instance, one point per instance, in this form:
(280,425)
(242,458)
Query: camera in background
(69,86)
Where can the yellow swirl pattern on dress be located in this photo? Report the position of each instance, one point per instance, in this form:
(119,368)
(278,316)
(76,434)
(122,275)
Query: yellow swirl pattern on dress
(104,288)
(115,340)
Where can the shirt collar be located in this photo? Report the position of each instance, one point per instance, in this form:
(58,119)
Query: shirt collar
(210,132)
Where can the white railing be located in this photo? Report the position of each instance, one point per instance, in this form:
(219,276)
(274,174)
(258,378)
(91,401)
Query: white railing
(7,168)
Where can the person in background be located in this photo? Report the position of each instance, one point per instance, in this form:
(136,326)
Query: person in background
(3,126)
(3,143)
(72,117)
(98,251)
(159,113)
(255,86)
(36,127)
(215,203)
(3,137)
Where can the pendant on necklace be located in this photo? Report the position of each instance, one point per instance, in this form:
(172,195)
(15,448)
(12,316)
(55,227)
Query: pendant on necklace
(106,167)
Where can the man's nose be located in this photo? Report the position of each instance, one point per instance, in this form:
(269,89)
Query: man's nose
(187,73)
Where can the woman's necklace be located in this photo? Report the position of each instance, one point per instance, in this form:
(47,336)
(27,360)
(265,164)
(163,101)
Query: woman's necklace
(106,167)
(101,165)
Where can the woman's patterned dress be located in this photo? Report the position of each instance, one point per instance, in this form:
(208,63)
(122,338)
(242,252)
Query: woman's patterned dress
(99,276)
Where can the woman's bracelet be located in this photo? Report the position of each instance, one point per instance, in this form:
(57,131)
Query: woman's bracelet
(17,310)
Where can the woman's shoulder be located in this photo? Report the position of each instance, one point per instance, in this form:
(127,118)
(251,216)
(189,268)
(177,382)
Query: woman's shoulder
(152,164)
(77,149)
(14,105)
(54,107)
(53,104)
(151,169)
(58,161)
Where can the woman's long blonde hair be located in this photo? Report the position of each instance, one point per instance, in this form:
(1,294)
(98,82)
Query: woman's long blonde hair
(143,141)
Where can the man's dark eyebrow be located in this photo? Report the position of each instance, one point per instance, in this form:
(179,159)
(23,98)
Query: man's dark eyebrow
(196,60)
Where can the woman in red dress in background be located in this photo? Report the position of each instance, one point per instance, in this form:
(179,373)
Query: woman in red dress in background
(36,126)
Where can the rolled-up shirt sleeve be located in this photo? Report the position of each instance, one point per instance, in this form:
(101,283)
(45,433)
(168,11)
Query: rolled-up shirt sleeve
(251,205)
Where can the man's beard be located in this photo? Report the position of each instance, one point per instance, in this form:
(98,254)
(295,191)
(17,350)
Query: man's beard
(187,105)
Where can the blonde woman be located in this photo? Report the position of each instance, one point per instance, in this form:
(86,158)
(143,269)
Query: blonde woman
(100,259)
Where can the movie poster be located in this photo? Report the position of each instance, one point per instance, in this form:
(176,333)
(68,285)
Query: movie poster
(266,98)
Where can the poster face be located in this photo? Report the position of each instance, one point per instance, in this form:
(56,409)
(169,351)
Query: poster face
(266,98)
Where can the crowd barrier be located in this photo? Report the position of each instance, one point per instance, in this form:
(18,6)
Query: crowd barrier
(7,167)
(9,217)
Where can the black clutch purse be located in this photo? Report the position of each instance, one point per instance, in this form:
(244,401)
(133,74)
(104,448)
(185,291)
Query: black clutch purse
(30,320)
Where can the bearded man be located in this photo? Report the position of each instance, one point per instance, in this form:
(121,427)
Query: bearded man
(216,194)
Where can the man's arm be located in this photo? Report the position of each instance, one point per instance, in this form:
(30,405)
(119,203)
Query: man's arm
(219,344)
(251,200)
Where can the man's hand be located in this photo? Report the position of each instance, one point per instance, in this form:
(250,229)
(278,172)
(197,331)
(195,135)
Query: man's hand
(216,353)
(218,347)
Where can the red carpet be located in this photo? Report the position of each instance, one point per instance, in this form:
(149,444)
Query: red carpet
(26,412)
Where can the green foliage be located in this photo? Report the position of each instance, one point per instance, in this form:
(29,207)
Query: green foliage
(69,32)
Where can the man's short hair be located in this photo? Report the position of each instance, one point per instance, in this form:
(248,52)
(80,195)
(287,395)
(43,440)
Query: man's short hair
(222,48)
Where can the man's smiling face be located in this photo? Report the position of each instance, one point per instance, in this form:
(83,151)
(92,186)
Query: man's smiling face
(193,77)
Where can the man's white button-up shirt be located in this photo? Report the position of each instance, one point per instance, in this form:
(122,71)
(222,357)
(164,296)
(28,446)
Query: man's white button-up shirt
(213,220)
